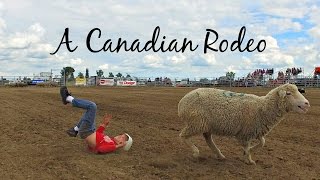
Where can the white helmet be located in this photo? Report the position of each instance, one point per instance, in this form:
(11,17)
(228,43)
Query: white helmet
(128,143)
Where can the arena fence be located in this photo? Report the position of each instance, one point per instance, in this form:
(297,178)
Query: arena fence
(265,81)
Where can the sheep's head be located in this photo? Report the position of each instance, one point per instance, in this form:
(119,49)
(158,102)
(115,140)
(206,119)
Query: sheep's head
(293,99)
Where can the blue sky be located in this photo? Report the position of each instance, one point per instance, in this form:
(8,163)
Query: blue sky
(30,30)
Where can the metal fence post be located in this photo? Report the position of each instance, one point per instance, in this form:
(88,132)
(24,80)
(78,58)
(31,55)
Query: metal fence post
(305,82)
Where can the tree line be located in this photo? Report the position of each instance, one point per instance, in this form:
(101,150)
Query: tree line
(68,73)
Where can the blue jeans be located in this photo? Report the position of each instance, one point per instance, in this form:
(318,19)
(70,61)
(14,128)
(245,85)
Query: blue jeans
(86,124)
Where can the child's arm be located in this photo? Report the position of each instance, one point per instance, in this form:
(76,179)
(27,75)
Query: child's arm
(103,125)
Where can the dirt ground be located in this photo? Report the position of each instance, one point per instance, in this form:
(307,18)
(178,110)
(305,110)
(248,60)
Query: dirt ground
(34,145)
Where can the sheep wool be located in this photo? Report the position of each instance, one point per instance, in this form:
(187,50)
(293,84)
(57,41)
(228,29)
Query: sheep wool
(246,117)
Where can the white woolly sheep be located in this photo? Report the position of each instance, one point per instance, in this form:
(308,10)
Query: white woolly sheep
(210,111)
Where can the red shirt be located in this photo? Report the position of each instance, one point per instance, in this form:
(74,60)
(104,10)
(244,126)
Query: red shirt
(104,143)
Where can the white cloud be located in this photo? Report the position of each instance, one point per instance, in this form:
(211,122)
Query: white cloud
(18,41)
(274,58)
(286,8)
(247,62)
(3,25)
(315,32)
(76,61)
(153,60)
(231,68)
(314,14)
(22,40)
(40,51)
(209,58)
(280,25)
(36,29)
(273,55)
(271,43)
(178,59)
(26,53)
(104,67)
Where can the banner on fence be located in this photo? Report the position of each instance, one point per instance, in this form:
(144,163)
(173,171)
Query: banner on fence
(80,81)
(126,83)
(36,81)
(106,82)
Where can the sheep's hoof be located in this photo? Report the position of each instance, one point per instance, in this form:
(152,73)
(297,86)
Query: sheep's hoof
(221,157)
(250,162)
(196,153)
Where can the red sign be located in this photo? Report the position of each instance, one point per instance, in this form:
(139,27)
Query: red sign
(126,83)
(106,82)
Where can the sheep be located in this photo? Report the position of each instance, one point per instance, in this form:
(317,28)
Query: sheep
(246,117)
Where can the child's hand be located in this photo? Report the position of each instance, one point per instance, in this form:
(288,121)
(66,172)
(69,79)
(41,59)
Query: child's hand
(107,118)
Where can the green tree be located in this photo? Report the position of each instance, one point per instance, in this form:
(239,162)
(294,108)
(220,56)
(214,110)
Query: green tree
(204,80)
(230,75)
(128,76)
(71,77)
(80,75)
(99,73)
(87,73)
(111,74)
(67,72)
(119,75)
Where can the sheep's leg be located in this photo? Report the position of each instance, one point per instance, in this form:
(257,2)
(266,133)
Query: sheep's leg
(185,137)
(212,145)
(194,148)
(261,143)
(247,154)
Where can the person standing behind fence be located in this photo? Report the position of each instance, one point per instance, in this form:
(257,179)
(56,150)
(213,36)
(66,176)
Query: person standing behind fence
(96,140)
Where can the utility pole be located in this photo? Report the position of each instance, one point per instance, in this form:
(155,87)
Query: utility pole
(64,76)
(51,74)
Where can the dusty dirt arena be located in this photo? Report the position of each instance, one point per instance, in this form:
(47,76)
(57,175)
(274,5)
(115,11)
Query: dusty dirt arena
(34,145)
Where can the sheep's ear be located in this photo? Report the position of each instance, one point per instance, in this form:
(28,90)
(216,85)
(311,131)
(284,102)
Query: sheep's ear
(282,93)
